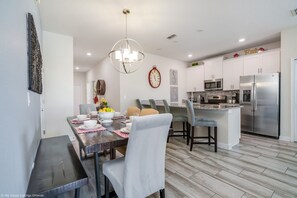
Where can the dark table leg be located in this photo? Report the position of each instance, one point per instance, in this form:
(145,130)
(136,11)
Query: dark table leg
(112,154)
(97,174)
(77,192)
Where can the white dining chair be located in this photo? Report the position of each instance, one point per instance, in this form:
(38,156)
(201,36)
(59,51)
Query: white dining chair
(86,108)
(142,171)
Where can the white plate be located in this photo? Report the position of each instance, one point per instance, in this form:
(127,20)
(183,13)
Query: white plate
(86,128)
(124,130)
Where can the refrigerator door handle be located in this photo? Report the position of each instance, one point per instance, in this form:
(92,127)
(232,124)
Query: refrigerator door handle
(255,96)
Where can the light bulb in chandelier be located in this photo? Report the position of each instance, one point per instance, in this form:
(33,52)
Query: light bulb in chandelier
(126,54)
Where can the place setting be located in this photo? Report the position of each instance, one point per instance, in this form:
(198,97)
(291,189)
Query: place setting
(80,119)
(125,131)
(90,126)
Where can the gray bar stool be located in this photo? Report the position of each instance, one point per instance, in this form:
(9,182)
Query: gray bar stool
(194,121)
(153,104)
(138,104)
(177,118)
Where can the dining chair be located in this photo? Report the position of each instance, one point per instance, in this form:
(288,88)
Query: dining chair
(143,112)
(138,104)
(133,111)
(142,171)
(153,103)
(149,111)
(176,118)
(200,122)
(86,108)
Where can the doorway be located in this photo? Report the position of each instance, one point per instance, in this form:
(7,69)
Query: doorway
(78,98)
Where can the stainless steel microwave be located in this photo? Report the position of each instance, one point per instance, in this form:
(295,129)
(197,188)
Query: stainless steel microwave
(216,84)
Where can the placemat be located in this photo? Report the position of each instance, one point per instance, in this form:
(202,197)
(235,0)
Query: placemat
(79,131)
(76,121)
(123,135)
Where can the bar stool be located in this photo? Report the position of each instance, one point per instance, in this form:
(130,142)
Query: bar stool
(153,104)
(177,118)
(194,121)
(138,104)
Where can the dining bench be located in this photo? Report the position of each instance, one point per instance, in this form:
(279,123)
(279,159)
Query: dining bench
(57,169)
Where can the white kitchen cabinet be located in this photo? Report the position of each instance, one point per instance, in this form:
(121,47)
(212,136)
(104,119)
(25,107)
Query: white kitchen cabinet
(251,64)
(213,68)
(264,62)
(270,61)
(232,70)
(195,78)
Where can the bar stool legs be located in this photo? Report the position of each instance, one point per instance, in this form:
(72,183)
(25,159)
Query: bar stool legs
(209,138)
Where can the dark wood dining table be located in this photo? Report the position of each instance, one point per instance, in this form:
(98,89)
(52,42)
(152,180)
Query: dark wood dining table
(97,142)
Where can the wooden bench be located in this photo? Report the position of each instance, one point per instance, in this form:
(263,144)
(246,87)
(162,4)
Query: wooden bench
(57,169)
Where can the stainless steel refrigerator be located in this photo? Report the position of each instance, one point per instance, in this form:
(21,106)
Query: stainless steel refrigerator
(259,96)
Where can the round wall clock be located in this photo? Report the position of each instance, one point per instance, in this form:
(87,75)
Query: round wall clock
(154,77)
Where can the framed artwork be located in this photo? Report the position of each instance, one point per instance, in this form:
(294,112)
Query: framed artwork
(173,76)
(34,57)
(173,94)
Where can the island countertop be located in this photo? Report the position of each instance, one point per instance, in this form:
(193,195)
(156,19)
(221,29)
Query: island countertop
(209,106)
(223,106)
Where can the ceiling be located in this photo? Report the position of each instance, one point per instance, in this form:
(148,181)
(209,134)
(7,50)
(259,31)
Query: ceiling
(204,28)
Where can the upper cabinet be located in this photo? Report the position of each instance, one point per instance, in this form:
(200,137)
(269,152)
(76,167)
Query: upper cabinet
(195,78)
(264,62)
(213,68)
(232,70)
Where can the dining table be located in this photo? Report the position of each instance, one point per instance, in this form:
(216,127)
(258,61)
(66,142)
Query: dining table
(97,142)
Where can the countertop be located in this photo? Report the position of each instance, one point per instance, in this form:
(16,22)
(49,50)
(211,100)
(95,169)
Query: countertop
(209,106)
(223,106)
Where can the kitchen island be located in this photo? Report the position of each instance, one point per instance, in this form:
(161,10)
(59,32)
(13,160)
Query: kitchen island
(227,117)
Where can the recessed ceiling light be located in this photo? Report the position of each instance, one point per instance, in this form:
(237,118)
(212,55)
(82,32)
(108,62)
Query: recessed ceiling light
(89,54)
(241,40)
(190,55)
(77,68)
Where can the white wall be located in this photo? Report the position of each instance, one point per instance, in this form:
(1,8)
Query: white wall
(79,90)
(136,85)
(105,71)
(123,89)
(58,83)
(288,51)
(20,124)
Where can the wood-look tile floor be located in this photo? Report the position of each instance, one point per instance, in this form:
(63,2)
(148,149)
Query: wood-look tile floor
(257,167)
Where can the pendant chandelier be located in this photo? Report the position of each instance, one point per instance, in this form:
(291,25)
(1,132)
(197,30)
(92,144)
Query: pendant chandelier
(126,54)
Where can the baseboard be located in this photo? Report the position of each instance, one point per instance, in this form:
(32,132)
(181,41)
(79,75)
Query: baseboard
(285,138)
(224,146)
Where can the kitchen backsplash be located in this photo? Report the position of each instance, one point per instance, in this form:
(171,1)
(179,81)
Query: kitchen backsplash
(204,94)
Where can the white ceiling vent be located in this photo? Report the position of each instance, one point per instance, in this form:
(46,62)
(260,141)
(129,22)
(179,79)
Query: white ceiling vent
(294,12)
(171,36)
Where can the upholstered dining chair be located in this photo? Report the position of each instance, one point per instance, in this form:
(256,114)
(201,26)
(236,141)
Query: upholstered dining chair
(86,108)
(177,118)
(149,111)
(133,111)
(200,122)
(142,171)
(153,103)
